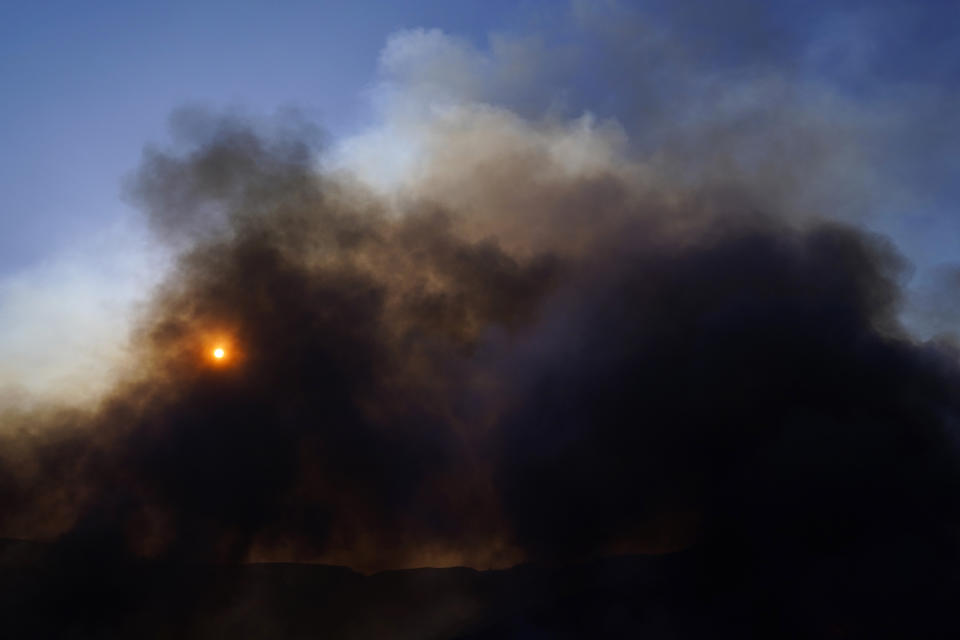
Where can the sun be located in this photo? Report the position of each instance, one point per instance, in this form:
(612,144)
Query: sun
(219,350)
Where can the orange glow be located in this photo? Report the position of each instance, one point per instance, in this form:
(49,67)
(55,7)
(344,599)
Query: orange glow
(219,350)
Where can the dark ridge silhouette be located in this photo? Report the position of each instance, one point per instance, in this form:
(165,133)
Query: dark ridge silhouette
(668,596)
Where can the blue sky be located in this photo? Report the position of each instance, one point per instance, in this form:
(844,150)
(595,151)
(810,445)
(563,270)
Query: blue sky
(851,107)
(86,85)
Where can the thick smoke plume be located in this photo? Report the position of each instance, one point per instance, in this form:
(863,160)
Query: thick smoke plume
(627,369)
(544,338)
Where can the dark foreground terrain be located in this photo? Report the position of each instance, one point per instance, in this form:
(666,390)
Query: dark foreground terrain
(52,594)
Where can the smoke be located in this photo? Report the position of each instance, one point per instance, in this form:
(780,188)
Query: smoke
(628,368)
(516,337)
(64,322)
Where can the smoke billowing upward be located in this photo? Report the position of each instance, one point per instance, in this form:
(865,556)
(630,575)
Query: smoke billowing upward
(542,339)
(627,369)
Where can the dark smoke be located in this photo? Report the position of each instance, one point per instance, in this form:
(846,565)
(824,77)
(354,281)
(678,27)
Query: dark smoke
(408,390)
(750,397)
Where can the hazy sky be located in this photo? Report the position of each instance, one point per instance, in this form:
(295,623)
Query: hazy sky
(86,86)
